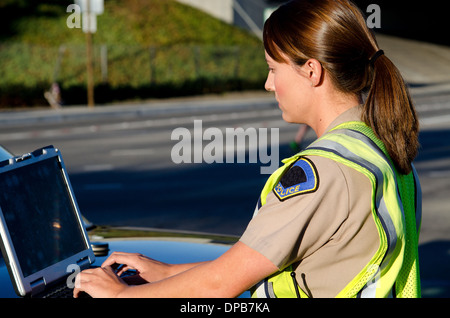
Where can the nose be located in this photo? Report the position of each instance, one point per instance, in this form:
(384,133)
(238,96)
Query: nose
(268,86)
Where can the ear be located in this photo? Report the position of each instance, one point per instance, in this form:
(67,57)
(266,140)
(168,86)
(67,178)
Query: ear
(314,71)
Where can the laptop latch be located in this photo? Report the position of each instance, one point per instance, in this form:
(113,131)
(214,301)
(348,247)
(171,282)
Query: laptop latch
(37,286)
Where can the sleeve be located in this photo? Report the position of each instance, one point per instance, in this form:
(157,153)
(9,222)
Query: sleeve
(288,229)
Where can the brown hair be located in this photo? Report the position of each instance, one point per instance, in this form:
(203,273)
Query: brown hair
(335,33)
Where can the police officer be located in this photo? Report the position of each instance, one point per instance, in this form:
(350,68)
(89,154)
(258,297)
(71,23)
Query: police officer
(339,219)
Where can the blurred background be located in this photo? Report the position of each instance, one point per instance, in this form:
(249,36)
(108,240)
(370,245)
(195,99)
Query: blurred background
(161,64)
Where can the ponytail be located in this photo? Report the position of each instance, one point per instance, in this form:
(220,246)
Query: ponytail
(335,33)
(389,111)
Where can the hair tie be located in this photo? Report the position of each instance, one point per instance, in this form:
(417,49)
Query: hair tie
(375,57)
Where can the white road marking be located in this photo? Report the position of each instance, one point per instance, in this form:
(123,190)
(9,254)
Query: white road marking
(98,167)
(131,152)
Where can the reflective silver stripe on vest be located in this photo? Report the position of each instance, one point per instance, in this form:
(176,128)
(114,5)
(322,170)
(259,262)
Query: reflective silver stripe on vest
(381,208)
(264,289)
(418,191)
(369,142)
(418,203)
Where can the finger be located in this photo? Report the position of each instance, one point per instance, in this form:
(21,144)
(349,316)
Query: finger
(116,258)
(89,278)
(86,276)
(81,280)
(77,292)
(124,269)
(123,263)
(108,268)
(89,271)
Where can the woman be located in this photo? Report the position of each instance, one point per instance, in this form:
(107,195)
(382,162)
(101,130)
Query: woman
(341,218)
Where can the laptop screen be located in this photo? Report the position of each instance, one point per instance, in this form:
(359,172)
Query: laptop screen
(40,215)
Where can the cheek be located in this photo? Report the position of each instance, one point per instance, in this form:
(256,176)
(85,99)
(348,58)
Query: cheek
(279,88)
(286,90)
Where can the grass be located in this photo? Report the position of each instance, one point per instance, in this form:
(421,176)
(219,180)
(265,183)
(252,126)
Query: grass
(155,48)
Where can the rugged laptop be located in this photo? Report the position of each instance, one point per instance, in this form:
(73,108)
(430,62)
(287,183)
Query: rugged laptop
(43,238)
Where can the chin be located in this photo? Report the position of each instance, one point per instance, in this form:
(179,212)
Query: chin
(287,118)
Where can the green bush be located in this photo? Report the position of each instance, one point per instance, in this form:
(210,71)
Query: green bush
(142,49)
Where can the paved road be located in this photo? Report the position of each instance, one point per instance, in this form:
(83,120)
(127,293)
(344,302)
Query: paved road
(123,173)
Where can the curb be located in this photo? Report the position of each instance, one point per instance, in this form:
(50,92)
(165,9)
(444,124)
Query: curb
(231,102)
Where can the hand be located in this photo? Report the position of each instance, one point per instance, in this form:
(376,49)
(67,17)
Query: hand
(99,282)
(147,269)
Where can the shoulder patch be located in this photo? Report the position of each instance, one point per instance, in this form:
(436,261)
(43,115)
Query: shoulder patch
(300,178)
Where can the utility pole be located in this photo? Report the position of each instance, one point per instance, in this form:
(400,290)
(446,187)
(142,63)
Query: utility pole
(90,9)
(90,60)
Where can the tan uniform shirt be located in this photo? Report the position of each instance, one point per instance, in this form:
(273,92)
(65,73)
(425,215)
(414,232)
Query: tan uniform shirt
(328,235)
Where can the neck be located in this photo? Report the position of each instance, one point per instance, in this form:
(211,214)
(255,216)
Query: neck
(329,108)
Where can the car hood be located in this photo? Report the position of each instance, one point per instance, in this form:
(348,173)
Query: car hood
(166,246)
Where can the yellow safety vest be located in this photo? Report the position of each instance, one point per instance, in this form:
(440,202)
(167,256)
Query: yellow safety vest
(396,209)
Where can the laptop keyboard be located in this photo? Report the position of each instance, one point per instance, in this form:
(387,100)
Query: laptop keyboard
(61,292)
(64,292)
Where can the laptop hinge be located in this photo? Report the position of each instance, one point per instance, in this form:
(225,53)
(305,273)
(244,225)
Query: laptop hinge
(84,262)
(37,286)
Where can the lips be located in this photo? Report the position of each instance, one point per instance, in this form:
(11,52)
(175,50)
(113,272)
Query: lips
(279,106)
